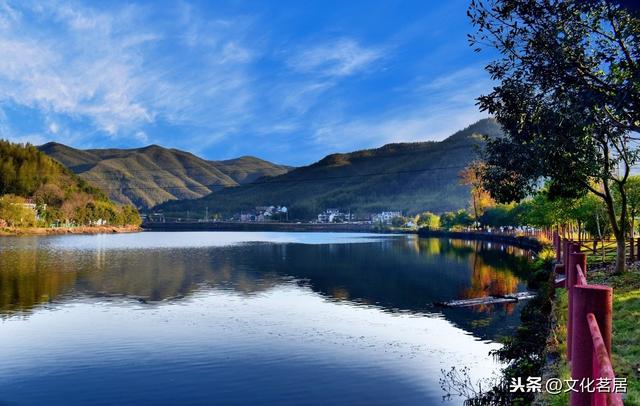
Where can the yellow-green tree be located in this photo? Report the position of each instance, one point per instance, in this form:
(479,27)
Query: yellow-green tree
(480,198)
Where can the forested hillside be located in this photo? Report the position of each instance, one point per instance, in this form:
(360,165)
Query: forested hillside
(410,177)
(37,190)
(148,176)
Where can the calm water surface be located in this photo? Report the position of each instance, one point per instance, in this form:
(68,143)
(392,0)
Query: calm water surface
(246,318)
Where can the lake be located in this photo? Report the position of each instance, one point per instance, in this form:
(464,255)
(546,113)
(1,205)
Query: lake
(236,318)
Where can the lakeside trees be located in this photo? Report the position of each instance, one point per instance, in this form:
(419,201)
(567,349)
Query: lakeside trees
(567,97)
(480,197)
(36,190)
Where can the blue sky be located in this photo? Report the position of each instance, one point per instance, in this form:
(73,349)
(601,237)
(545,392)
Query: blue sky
(285,81)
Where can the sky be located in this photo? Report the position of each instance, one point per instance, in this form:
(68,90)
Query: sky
(286,81)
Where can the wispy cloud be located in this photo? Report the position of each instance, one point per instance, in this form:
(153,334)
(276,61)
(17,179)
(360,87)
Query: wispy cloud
(435,109)
(224,79)
(103,66)
(342,57)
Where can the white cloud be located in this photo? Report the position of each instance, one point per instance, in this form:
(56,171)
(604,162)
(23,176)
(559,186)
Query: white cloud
(105,67)
(53,127)
(342,57)
(141,136)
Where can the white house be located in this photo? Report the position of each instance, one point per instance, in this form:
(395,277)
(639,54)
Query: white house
(385,217)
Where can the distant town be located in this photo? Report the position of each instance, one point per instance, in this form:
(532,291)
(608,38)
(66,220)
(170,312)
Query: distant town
(267,214)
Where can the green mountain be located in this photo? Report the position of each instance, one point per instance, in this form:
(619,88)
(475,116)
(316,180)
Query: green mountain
(152,175)
(411,177)
(32,183)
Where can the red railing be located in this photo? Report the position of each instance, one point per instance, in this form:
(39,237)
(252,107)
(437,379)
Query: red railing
(589,323)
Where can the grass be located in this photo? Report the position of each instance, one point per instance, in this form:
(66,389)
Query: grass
(626,337)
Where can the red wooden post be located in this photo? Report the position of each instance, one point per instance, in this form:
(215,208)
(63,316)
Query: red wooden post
(596,299)
(580,259)
(572,277)
(565,260)
(602,367)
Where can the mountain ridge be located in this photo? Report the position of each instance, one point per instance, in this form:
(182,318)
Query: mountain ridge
(409,177)
(151,175)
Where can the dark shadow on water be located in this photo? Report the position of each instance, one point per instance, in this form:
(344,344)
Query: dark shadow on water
(395,275)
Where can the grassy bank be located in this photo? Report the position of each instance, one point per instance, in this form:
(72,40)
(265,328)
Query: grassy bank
(626,338)
(70,230)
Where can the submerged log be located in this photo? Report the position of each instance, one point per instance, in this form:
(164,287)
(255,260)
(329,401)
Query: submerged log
(494,299)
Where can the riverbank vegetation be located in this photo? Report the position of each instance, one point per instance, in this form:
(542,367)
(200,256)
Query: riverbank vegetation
(568,99)
(37,191)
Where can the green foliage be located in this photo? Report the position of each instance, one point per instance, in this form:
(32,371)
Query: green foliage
(500,215)
(452,220)
(428,220)
(567,96)
(14,213)
(58,195)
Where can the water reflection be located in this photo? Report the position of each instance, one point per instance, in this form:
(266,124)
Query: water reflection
(396,274)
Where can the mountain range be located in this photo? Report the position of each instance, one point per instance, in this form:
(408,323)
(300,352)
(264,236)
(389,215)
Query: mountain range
(146,177)
(408,177)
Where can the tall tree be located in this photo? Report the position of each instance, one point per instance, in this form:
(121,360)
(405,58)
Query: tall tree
(568,98)
(480,198)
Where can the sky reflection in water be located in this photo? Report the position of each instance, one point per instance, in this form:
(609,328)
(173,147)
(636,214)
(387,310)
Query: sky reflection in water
(230,318)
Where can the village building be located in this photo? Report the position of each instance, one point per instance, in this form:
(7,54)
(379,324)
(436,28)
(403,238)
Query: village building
(385,217)
(335,216)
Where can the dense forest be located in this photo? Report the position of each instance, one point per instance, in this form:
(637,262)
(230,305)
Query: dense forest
(36,190)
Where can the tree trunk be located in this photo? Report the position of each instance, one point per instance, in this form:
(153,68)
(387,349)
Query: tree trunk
(633,235)
(621,254)
(619,225)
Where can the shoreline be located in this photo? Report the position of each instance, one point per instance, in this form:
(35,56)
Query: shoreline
(256,226)
(527,242)
(35,231)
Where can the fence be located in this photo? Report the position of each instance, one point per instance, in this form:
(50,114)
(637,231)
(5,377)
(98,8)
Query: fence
(589,325)
(605,250)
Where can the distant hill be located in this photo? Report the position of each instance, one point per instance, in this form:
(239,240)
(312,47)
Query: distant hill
(152,175)
(410,177)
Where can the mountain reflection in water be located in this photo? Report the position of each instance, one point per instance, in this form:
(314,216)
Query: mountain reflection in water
(396,274)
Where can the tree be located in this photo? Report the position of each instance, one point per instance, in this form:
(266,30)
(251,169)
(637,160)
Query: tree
(633,200)
(480,198)
(49,194)
(428,220)
(455,219)
(499,216)
(567,97)
(131,216)
(14,213)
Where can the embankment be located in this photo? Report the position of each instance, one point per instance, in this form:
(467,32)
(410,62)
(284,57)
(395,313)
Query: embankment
(68,230)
